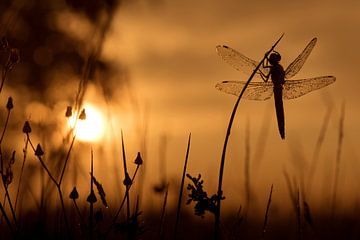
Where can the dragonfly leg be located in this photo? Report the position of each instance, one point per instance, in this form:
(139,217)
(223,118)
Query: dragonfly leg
(265,77)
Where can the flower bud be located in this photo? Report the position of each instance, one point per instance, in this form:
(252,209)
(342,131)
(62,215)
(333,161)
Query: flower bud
(82,115)
(127,181)
(74,194)
(68,111)
(91,198)
(39,152)
(26,128)
(10,104)
(138,160)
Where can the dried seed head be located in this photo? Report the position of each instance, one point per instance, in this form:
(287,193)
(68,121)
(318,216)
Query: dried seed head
(26,128)
(8,176)
(82,115)
(101,191)
(138,159)
(39,152)
(9,104)
(74,194)
(127,181)
(91,198)
(68,111)
(14,56)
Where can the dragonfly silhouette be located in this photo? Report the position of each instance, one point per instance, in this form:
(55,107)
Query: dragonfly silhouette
(280,85)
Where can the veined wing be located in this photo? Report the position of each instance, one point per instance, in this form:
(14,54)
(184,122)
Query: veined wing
(238,61)
(297,88)
(297,64)
(254,91)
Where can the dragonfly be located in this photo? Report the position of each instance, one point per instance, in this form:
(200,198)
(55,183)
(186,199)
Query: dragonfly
(281,84)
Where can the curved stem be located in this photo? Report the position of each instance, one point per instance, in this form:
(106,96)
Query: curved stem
(222,163)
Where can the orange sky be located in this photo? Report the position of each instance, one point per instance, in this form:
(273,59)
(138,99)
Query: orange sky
(169,49)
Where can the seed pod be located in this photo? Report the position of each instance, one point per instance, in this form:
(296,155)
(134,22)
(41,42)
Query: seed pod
(26,128)
(9,104)
(39,152)
(68,111)
(74,194)
(138,159)
(127,181)
(91,198)
(82,115)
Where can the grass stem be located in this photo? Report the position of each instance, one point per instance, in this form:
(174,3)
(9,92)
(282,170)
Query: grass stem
(222,163)
(178,209)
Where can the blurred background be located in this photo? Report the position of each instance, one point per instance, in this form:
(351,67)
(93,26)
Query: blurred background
(149,69)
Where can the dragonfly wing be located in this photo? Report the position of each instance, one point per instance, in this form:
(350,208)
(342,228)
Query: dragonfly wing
(297,88)
(238,61)
(254,91)
(297,64)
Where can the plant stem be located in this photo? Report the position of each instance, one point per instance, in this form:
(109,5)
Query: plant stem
(222,163)
(5,126)
(162,218)
(338,157)
(7,219)
(122,203)
(58,186)
(267,212)
(67,159)
(181,189)
(21,171)
(126,174)
(91,213)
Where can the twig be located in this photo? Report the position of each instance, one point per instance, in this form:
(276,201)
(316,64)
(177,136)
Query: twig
(181,189)
(222,163)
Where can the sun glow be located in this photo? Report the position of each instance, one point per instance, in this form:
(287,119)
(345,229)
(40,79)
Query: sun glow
(90,129)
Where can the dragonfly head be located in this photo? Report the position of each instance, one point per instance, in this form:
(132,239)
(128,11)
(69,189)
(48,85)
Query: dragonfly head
(274,58)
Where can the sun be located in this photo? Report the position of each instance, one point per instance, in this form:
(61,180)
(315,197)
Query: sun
(90,129)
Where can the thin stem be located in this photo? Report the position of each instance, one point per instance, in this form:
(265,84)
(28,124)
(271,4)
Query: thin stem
(222,163)
(122,202)
(4,73)
(67,159)
(42,162)
(181,189)
(5,126)
(267,212)
(91,210)
(298,214)
(22,170)
(126,174)
(64,211)
(9,201)
(58,186)
(7,219)
(338,157)
(162,218)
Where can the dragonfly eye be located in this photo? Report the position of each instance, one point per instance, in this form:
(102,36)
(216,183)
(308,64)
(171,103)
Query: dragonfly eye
(275,57)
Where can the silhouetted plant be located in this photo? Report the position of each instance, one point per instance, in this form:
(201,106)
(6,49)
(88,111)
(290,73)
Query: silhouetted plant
(198,195)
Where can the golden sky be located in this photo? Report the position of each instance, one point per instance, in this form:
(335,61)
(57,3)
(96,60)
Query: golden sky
(169,48)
